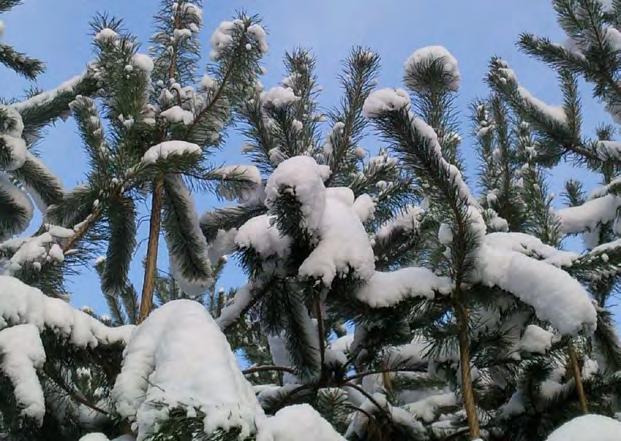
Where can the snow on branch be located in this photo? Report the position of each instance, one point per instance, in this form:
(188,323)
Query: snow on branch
(21,354)
(588,216)
(48,105)
(170,149)
(432,59)
(532,247)
(408,221)
(298,422)
(179,358)
(262,236)
(385,289)
(555,296)
(343,242)
(588,428)
(385,100)
(504,77)
(232,310)
(302,177)
(23,304)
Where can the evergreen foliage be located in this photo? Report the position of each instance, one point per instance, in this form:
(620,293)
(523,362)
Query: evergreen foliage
(384,300)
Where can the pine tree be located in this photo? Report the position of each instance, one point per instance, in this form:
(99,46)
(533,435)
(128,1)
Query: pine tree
(161,131)
(25,181)
(384,300)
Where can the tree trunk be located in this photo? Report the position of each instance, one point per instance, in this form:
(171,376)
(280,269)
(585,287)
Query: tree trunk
(575,368)
(461,314)
(148,285)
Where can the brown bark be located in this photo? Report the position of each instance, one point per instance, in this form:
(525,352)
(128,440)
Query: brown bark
(148,285)
(82,230)
(575,369)
(461,314)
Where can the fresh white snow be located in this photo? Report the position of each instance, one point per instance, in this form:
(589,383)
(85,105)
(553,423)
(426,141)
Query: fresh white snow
(437,54)
(169,148)
(179,357)
(259,234)
(343,242)
(302,177)
(21,353)
(536,340)
(279,97)
(177,115)
(299,422)
(588,428)
(385,100)
(23,304)
(386,289)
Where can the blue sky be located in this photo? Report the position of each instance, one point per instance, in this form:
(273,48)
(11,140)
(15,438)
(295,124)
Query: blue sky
(57,32)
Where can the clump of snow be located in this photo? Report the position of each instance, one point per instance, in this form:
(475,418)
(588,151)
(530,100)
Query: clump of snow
(343,242)
(223,244)
(178,357)
(222,37)
(302,177)
(233,309)
(445,234)
(23,304)
(385,100)
(588,215)
(207,82)
(536,340)
(143,62)
(176,115)
(279,97)
(531,246)
(424,57)
(515,406)
(192,10)
(342,344)
(259,234)
(94,437)
(588,428)
(106,35)
(426,408)
(169,148)
(298,422)
(247,172)
(613,38)
(21,353)
(101,437)
(249,176)
(407,221)
(556,296)
(385,289)
(260,37)
(33,251)
(182,34)
(364,206)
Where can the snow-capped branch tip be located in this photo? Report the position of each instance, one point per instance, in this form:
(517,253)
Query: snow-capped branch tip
(385,100)
(229,32)
(432,65)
